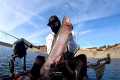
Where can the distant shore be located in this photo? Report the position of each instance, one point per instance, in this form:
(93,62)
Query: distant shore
(101,52)
(114,52)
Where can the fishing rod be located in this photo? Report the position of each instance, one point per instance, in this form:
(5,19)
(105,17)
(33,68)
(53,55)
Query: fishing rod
(18,40)
(9,35)
(19,51)
(27,43)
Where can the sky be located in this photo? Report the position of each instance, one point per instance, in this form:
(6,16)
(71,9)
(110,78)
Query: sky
(95,22)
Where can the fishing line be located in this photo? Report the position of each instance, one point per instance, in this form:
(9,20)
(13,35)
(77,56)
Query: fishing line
(9,35)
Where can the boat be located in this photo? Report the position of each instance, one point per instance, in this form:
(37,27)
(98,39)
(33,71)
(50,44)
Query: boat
(98,66)
(74,64)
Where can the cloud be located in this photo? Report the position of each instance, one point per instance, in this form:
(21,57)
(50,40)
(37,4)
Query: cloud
(81,33)
(38,34)
(13,14)
(36,12)
(94,9)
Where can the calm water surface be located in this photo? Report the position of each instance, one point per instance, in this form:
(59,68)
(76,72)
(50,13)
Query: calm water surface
(112,71)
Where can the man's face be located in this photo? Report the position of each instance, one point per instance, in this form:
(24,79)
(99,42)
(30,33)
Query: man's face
(55,26)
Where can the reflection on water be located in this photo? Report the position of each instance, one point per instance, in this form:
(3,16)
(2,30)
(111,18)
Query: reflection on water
(112,71)
(4,64)
(5,55)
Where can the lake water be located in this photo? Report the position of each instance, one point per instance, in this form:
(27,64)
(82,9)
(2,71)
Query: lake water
(112,71)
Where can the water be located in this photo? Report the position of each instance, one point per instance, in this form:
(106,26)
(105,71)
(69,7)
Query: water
(112,70)
(5,56)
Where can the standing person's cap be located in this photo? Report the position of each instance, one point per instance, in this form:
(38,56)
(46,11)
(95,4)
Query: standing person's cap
(52,19)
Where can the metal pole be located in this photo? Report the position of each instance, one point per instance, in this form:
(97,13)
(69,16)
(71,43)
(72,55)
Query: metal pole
(24,65)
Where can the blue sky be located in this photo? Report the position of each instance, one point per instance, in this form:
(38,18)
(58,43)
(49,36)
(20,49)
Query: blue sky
(96,22)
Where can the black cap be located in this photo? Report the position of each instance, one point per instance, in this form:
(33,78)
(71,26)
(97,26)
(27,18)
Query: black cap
(52,18)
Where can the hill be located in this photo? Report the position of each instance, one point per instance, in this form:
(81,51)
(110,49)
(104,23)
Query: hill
(113,50)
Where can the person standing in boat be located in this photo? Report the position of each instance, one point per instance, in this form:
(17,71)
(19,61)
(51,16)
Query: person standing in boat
(55,24)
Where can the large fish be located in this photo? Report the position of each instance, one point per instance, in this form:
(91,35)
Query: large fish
(58,47)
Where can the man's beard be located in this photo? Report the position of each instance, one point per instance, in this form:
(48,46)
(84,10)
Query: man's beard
(55,30)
